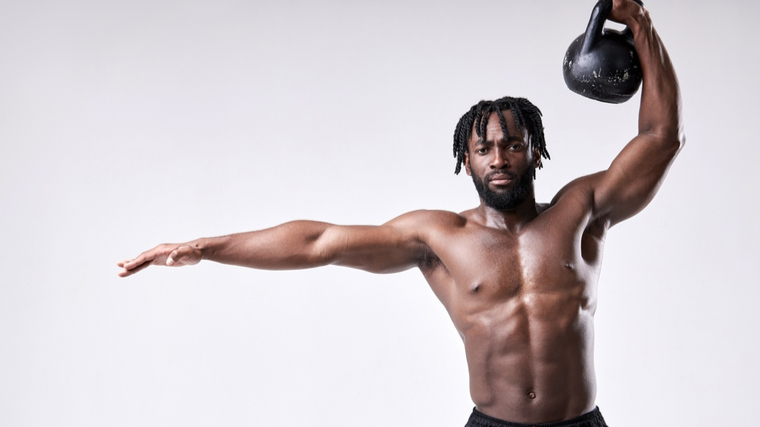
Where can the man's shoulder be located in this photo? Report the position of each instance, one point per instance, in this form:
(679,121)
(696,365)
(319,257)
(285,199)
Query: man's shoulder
(579,189)
(575,201)
(431,218)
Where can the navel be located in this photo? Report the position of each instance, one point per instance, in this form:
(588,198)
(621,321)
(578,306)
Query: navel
(475,288)
(532,395)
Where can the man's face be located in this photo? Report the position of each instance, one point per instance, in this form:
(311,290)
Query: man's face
(502,166)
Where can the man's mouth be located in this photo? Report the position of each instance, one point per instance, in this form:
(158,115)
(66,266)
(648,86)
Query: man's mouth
(501,178)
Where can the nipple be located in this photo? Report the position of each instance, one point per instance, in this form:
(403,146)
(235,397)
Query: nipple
(569,265)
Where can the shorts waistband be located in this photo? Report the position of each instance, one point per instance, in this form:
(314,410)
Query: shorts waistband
(590,419)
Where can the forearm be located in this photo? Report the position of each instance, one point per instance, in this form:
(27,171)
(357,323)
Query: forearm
(660,111)
(289,246)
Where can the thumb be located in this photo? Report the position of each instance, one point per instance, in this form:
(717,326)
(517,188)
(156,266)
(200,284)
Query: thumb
(183,255)
(173,257)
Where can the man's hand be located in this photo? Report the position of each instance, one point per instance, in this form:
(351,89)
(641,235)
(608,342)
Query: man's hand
(170,255)
(626,12)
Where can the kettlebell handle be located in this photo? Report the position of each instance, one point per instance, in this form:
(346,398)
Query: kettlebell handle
(596,24)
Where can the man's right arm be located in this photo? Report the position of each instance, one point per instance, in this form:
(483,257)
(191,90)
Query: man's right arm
(634,177)
(391,247)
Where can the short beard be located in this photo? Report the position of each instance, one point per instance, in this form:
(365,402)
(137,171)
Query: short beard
(506,199)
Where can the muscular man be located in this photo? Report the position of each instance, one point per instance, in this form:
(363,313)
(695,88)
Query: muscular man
(517,278)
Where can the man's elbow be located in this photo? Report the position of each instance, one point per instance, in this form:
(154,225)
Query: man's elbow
(676,134)
(677,142)
(671,142)
(674,145)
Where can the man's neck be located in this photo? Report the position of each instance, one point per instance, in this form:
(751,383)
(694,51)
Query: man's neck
(508,219)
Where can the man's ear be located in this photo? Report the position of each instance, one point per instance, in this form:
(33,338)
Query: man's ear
(536,153)
(467,163)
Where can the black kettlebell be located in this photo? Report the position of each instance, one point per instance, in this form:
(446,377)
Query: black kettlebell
(602,64)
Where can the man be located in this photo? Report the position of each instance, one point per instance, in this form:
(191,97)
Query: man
(517,278)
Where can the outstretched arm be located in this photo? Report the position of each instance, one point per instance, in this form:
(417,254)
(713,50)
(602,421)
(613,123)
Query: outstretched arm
(391,247)
(636,174)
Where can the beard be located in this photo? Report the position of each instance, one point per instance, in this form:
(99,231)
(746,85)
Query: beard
(507,199)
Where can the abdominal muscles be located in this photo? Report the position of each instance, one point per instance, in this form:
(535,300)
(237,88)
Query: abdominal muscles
(530,356)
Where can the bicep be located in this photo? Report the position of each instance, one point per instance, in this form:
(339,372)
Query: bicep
(388,248)
(633,178)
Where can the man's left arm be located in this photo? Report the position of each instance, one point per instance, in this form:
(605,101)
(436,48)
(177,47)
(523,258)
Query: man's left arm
(635,175)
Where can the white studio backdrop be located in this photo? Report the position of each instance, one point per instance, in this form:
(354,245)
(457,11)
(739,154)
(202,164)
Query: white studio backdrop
(125,124)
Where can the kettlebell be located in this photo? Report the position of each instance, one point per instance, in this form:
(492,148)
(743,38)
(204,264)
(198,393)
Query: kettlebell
(602,63)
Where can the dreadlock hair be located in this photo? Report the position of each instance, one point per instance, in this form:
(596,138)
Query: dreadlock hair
(524,112)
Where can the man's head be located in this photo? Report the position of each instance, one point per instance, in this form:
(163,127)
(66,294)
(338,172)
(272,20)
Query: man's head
(501,144)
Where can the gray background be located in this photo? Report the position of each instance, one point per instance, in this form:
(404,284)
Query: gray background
(125,124)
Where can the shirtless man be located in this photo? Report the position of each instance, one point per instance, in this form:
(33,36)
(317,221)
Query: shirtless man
(517,278)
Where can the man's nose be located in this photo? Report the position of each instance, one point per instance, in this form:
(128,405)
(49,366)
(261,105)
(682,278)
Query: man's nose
(499,160)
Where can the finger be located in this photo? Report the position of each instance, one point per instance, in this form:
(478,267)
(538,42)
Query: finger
(123,263)
(126,273)
(135,267)
(145,257)
(131,264)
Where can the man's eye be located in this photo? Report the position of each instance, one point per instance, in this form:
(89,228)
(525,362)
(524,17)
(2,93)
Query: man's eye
(516,147)
(482,150)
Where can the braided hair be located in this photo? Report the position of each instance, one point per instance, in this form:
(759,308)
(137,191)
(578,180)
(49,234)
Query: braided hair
(524,112)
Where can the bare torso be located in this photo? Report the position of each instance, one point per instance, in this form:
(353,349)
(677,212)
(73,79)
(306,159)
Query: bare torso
(523,302)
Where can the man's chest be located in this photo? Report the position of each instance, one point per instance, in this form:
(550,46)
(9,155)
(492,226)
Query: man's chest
(490,267)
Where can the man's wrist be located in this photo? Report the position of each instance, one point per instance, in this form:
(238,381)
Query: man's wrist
(208,247)
(639,22)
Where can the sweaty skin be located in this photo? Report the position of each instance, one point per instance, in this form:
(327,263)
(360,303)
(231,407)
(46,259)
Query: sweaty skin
(520,285)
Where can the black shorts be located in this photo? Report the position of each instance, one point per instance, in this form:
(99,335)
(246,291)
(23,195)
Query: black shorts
(591,419)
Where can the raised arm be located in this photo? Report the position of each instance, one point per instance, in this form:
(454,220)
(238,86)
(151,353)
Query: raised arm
(391,247)
(637,172)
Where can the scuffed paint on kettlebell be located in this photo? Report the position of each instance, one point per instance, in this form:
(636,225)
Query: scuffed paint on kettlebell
(602,63)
